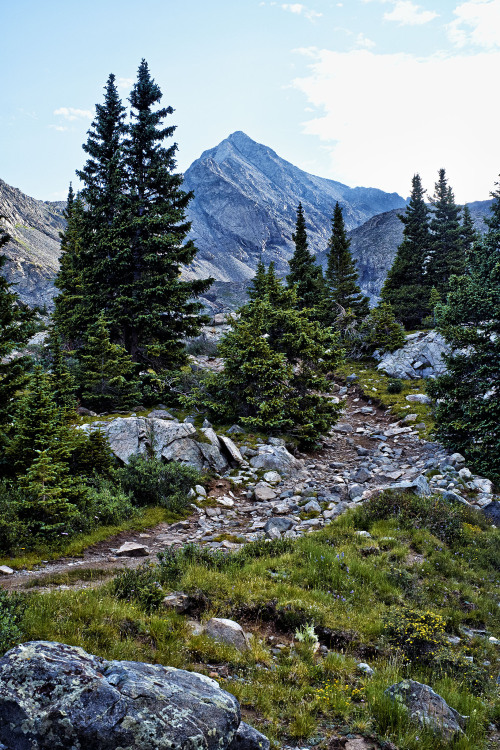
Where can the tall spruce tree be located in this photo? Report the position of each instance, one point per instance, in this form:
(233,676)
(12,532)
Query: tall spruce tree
(258,285)
(469,233)
(305,274)
(468,394)
(16,326)
(341,273)
(155,308)
(71,314)
(447,255)
(406,287)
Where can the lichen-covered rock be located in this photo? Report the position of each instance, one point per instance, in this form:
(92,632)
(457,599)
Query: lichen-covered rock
(248,738)
(227,631)
(58,697)
(427,708)
(274,458)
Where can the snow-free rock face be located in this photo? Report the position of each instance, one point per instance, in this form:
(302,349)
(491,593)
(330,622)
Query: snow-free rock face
(56,697)
(427,708)
(420,357)
(168,439)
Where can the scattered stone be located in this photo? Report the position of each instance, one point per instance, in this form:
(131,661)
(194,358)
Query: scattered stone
(419,398)
(225,501)
(281,524)
(160,414)
(6,571)
(492,512)
(364,534)
(312,506)
(483,485)
(274,458)
(231,448)
(343,427)
(410,418)
(362,475)
(132,549)
(350,379)
(454,497)
(263,492)
(427,708)
(457,458)
(272,477)
(355,491)
(177,601)
(200,491)
(206,424)
(363,667)
(248,738)
(235,429)
(227,631)
(54,695)
(465,473)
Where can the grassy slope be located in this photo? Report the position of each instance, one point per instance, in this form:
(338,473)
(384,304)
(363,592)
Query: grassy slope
(335,579)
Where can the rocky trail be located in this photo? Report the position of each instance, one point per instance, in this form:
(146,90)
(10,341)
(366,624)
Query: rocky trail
(273,494)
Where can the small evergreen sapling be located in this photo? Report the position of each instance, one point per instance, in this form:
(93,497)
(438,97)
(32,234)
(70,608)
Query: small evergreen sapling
(382,331)
(107,374)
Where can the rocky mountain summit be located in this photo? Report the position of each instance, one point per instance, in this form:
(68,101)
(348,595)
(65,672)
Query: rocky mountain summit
(245,204)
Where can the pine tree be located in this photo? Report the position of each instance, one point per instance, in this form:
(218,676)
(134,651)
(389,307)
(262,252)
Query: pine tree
(71,314)
(470,235)
(155,309)
(305,274)
(107,374)
(380,329)
(406,287)
(16,327)
(341,273)
(468,394)
(63,383)
(258,285)
(275,365)
(447,256)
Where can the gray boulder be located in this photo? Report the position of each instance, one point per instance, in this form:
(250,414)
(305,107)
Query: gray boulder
(248,738)
(492,512)
(168,439)
(280,524)
(227,631)
(274,458)
(420,357)
(56,697)
(427,708)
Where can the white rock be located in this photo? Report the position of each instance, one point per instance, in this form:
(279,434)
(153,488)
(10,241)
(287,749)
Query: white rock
(6,571)
(225,501)
(418,398)
(263,492)
(231,448)
(465,473)
(227,631)
(132,549)
(200,490)
(272,477)
(483,485)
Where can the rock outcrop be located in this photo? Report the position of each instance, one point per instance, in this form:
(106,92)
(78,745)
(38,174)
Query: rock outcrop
(420,357)
(55,697)
(427,708)
(169,440)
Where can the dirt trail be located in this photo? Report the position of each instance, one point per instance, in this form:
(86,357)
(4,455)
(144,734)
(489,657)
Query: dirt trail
(359,422)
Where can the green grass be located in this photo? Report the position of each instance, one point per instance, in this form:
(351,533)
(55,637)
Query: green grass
(373,384)
(324,580)
(145,519)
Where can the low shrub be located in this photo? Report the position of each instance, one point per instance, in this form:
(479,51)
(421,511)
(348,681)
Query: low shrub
(418,635)
(109,505)
(395,385)
(152,482)
(11,611)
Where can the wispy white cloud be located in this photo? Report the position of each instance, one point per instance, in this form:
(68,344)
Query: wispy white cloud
(407,13)
(124,83)
(59,128)
(364,42)
(301,10)
(418,122)
(477,22)
(71,114)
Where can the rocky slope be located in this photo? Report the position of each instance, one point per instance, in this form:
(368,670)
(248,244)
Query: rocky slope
(32,253)
(246,198)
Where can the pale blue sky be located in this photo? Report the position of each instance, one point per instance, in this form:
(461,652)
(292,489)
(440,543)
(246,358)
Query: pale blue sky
(363,91)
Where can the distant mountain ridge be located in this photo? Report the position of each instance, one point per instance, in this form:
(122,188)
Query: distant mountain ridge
(245,204)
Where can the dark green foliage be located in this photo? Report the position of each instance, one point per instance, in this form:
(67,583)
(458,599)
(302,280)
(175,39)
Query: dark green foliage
(107,374)
(16,326)
(406,285)
(411,511)
(108,504)
(468,409)
(63,383)
(380,330)
(434,300)
(395,385)
(12,607)
(341,274)
(447,254)
(258,285)
(305,274)
(276,361)
(71,315)
(153,482)
(155,309)
(470,235)
(12,529)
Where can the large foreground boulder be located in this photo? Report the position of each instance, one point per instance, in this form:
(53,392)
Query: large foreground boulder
(420,357)
(168,439)
(58,697)
(427,708)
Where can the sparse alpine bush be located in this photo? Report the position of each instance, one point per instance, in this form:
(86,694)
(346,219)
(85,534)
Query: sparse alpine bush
(11,611)
(152,482)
